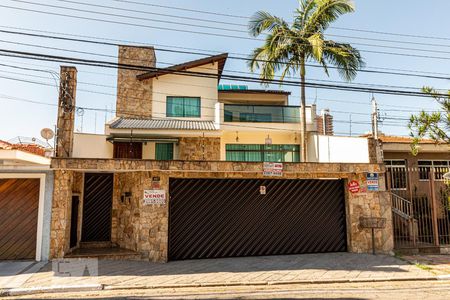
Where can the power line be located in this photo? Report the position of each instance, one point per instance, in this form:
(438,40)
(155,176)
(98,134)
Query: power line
(197,32)
(106,64)
(203,86)
(230,57)
(187,24)
(231,71)
(247,18)
(122,42)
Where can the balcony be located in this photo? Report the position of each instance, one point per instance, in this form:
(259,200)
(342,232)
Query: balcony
(261,113)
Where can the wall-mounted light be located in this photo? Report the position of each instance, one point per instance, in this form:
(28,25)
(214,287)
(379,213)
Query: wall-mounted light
(268,140)
(237,136)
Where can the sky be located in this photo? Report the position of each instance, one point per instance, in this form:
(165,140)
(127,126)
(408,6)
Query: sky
(20,116)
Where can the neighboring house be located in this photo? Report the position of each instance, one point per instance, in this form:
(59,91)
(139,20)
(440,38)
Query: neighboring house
(26,188)
(421,197)
(180,172)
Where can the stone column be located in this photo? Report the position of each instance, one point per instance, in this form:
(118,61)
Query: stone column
(134,97)
(66,111)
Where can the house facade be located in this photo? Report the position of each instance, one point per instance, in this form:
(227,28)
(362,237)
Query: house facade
(192,168)
(26,188)
(421,196)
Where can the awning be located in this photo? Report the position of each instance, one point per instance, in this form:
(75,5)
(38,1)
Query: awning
(126,123)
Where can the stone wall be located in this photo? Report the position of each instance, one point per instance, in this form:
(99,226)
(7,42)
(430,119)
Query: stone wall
(60,223)
(369,204)
(145,228)
(136,227)
(199,148)
(134,97)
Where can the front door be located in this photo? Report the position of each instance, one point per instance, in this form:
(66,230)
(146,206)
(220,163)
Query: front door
(97,207)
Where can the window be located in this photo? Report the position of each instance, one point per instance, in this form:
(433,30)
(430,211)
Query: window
(261,113)
(397,172)
(186,107)
(164,151)
(260,153)
(440,167)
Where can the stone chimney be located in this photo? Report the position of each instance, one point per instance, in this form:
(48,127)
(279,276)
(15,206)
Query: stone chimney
(66,111)
(134,97)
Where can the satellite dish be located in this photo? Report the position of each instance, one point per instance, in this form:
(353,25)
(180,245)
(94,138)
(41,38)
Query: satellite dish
(47,133)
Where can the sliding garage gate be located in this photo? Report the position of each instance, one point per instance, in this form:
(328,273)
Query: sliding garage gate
(210,218)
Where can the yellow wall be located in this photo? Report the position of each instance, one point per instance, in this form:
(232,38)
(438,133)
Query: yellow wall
(190,86)
(91,146)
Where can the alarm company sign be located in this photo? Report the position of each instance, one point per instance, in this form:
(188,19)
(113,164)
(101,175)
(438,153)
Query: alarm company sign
(154,197)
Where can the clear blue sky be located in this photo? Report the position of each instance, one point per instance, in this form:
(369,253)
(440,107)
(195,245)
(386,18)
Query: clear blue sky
(416,17)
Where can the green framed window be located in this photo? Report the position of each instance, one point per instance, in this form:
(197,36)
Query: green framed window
(164,151)
(184,107)
(268,153)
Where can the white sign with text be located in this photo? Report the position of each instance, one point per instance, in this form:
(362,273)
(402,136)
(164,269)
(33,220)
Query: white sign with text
(154,197)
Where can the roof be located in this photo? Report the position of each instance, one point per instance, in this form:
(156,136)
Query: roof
(403,140)
(30,148)
(221,59)
(255,91)
(124,123)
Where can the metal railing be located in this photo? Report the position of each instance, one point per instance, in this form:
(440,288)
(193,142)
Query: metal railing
(421,209)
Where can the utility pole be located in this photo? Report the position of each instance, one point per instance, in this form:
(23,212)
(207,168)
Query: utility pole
(374,118)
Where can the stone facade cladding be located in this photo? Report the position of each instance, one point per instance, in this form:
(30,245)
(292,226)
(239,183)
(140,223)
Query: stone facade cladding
(66,111)
(144,229)
(199,148)
(134,97)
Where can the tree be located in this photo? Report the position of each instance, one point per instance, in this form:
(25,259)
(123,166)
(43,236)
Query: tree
(288,47)
(434,125)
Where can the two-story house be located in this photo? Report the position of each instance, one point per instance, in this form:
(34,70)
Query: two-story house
(192,168)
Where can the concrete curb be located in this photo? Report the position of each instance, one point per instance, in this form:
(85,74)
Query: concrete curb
(51,289)
(99,287)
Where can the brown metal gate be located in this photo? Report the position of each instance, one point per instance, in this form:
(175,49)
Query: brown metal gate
(97,207)
(211,218)
(19,202)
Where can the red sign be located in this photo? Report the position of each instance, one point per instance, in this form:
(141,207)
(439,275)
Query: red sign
(353,187)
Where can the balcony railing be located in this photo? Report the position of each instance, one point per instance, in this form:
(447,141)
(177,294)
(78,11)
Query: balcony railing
(261,113)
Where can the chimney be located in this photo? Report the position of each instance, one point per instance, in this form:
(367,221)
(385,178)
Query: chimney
(66,111)
(134,97)
(325,122)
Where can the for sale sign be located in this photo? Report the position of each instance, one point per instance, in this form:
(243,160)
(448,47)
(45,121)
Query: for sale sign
(154,197)
(373,182)
(353,187)
(272,169)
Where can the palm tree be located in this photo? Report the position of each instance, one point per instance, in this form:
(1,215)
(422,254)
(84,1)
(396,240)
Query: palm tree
(288,47)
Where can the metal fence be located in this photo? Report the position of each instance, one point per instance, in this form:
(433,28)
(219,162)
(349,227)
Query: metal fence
(420,206)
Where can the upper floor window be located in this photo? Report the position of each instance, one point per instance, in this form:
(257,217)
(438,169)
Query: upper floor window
(185,107)
(397,172)
(439,167)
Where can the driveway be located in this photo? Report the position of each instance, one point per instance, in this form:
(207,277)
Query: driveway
(331,267)
(14,274)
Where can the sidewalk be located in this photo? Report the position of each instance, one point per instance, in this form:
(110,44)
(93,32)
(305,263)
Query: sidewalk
(309,268)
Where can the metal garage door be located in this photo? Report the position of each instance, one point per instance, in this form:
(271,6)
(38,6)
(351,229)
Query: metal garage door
(19,202)
(211,218)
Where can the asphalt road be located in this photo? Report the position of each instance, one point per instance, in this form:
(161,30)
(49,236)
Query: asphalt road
(387,290)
